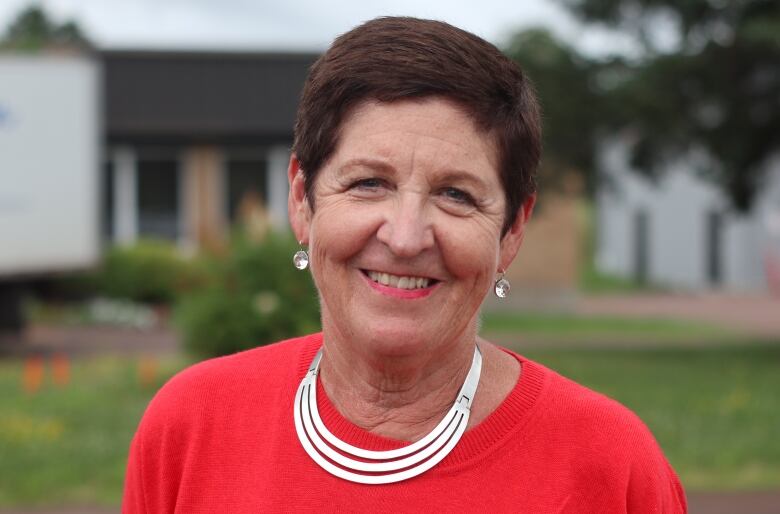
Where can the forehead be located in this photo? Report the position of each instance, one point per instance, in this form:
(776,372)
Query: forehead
(434,130)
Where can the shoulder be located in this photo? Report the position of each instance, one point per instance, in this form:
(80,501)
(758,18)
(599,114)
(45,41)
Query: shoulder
(582,411)
(606,441)
(209,386)
(204,411)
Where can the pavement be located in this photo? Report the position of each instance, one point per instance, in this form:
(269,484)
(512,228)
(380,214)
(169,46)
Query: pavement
(758,315)
(82,341)
(766,502)
(698,503)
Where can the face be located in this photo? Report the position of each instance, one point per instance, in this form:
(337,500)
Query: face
(405,239)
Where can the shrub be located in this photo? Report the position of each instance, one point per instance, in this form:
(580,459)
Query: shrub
(149,272)
(256,297)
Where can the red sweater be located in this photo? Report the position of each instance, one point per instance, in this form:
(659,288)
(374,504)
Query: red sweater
(220,438)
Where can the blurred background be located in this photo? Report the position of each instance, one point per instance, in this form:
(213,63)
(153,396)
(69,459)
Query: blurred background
(143,155)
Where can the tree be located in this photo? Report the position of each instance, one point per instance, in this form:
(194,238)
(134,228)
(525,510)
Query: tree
(571,105)
(32,30)
(717,90)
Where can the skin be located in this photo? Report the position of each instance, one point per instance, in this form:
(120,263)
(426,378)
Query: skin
(412,189)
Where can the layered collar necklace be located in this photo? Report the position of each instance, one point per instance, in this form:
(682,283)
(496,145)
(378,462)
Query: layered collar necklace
(380,467)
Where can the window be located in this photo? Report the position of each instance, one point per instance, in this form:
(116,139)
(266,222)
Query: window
(107,205)
(246,182)
(158,197)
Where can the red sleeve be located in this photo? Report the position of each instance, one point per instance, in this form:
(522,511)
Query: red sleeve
(653,486)
(133,501)
(159,448)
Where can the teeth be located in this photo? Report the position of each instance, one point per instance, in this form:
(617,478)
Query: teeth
(398,282)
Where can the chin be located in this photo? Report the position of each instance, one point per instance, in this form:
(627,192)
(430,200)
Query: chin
(397,341)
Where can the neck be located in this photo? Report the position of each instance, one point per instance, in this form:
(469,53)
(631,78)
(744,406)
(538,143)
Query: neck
(397,396)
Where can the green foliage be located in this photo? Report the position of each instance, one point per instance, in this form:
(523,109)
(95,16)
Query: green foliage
(709,89)
(33,30)
(571,106)
(256,297)
(714,91)
(149,272)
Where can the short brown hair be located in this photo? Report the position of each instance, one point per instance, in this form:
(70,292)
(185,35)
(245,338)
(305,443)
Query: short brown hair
(395,58)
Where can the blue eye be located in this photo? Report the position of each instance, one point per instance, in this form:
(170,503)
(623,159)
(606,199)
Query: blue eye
(369,187)
(368,183)
(458,195)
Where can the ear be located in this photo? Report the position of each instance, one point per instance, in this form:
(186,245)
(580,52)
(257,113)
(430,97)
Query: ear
(297,203)
(510,243)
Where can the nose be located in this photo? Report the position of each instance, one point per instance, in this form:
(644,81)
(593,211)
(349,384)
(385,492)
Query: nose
(406,230)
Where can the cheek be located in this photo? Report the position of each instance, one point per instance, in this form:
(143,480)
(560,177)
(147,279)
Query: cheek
(470,253)
(338,232)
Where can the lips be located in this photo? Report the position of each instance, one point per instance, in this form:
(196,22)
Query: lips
(399,281)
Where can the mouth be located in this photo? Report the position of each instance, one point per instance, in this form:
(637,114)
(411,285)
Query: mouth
(406,282)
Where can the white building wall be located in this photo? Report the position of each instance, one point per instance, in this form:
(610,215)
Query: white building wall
(744,262)
(678,206)
(678,247)
(277,186)
(613,233)
(125,206)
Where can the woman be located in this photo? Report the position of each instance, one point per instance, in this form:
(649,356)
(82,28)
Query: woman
(411,183)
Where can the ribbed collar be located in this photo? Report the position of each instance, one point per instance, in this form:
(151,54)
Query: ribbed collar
(508,418)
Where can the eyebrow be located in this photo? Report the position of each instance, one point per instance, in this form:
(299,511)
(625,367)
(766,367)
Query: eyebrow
(374,164)
(446,175)
(456,176)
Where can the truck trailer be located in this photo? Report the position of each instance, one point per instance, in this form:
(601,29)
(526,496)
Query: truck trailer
(50,145)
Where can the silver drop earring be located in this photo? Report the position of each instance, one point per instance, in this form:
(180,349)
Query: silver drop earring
(301,258)
(502,286)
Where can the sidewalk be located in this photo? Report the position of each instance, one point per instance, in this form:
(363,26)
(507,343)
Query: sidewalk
(757,315)
(76,341)
(734,503)
(698,503)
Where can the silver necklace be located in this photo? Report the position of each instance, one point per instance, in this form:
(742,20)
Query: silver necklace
(380,467)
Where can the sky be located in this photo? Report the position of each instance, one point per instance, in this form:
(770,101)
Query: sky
(297,25)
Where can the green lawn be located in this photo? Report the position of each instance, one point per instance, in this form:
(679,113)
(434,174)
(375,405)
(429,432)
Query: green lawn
(69,445)
(715,411)
(594,329)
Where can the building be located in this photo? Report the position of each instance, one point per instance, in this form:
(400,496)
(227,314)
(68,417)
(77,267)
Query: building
(189,134)
(188,139)
(680,230)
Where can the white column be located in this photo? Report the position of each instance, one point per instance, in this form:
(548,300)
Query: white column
(277,186)
(184,240)
(125,196)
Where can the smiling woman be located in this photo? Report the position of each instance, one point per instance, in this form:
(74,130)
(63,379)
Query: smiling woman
(411,183)
(411,193)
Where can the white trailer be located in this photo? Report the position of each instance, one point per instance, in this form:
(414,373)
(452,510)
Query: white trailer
(49,170)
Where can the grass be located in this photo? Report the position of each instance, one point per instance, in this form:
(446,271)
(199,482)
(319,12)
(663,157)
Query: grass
(68,445)
(594,329)
(715,411)
(592,281)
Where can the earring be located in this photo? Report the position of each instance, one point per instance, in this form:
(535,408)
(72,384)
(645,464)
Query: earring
(301,258)
(502,286)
